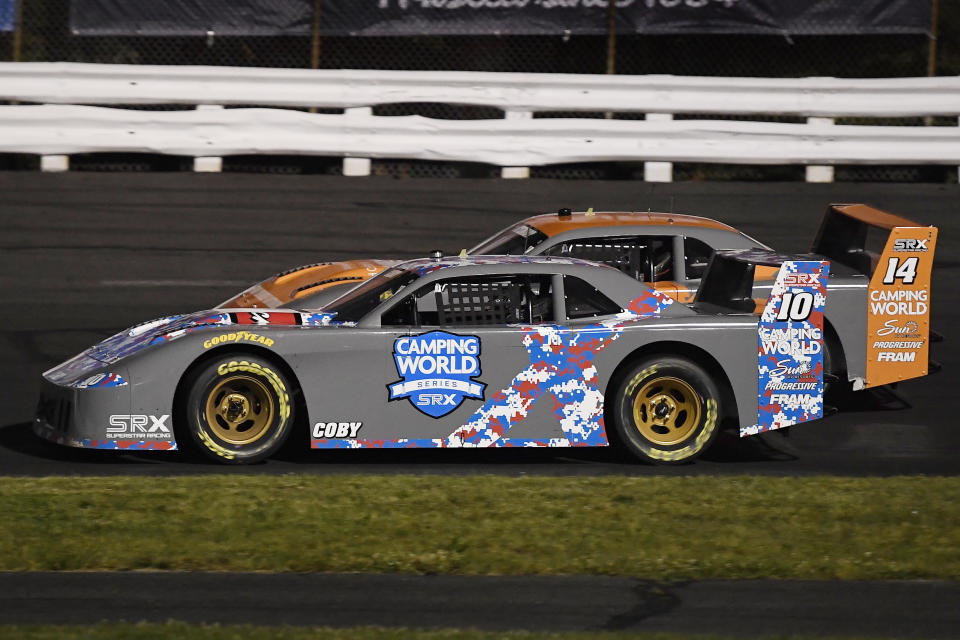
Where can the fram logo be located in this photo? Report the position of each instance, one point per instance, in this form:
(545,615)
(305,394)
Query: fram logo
(437,370)
(895,356)
(139,427)
(911,244)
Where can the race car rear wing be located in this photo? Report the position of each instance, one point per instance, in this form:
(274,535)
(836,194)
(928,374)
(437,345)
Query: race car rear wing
(899,266)
(848,235)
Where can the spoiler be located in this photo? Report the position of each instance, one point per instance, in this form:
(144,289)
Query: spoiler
(790,347)
(898,302)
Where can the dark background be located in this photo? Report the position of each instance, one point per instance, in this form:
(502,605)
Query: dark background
(791,52)
(45,36)
(495,17)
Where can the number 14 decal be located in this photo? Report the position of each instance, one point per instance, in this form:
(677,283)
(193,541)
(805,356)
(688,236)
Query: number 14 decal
(907,272)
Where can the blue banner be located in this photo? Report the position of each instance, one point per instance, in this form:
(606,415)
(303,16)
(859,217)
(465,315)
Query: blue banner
(7,10)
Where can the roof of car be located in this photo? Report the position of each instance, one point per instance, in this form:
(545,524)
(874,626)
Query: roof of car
(870,215)
(423,266)
(551,224)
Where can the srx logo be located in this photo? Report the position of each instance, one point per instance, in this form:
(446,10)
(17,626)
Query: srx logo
(137,424)
(910,244)
(801,279)
(437,399)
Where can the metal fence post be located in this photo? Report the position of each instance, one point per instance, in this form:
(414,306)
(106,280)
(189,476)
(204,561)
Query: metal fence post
(820,173)
(932,48)
(658,171)
(315,43)
(357,166)
(54,164)
(17,29)
(208,164)
(934,29)
(611,37)
(516,172)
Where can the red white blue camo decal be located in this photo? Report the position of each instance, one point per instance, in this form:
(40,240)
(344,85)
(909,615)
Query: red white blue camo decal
(561,366)
(100,381)
(129,445)
(165,330)
(790,348)
(47,432)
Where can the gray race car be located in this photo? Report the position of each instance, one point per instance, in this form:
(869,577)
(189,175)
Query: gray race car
(485,351)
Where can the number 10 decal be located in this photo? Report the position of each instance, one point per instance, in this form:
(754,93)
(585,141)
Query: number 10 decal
(907,272)
(795,306)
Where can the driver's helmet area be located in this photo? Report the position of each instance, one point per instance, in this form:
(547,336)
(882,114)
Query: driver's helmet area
(646,258)
(478,300)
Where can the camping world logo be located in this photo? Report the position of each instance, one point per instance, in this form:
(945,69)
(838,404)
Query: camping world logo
(436,370)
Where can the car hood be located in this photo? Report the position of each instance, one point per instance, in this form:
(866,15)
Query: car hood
(163,330)
(169,328)
(282,289)
(130,341)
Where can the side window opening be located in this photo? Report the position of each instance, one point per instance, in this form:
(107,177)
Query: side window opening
(515,241)
(583,300)
(478,302)
(696,257)
(485,300)
(402,314)
(645,258)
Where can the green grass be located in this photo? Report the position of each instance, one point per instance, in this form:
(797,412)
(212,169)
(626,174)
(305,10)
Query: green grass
(654,527)
(183,631)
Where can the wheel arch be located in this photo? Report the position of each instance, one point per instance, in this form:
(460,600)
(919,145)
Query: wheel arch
(833,343)
(698,355)
(300,418)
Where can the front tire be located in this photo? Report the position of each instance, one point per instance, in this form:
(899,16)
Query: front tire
(666,410)
(239,408)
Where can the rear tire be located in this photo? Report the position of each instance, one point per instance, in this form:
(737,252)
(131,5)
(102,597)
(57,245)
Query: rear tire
(837,392)
(239,409)
(666,410)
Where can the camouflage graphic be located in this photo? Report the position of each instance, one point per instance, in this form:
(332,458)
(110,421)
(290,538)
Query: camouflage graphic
(790,348)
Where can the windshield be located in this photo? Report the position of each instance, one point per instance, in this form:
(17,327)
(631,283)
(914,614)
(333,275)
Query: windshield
(515,241)
(354,305)
(755,241)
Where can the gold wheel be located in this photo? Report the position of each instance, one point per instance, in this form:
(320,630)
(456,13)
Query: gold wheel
(239,409)
(666,411)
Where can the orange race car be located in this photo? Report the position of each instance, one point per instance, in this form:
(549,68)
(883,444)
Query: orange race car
(668,250)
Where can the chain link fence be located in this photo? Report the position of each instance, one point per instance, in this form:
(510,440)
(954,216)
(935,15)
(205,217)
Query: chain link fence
(44,35)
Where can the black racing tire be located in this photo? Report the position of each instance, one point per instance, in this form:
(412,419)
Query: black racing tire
(835,392)
(239,408)
(666,410)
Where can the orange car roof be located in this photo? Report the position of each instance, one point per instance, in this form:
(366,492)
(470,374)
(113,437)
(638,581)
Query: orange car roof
(872,216)
(551,224)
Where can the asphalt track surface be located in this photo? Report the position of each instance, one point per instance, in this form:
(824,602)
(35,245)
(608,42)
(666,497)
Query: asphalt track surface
(568,603)
(85,255)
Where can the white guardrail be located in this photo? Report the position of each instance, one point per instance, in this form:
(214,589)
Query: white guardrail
(62,124)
